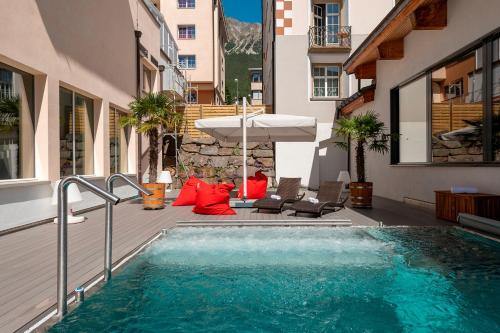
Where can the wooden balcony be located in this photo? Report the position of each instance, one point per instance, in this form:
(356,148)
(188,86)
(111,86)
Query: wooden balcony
(330,39)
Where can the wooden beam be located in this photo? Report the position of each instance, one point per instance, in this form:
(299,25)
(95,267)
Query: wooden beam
(392,50)
(430,16)
(366,71)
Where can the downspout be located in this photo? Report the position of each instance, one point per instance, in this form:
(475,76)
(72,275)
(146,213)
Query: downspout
(138,35)
(213,48)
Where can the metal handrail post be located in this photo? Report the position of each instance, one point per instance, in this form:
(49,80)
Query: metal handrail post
(62,234)
(108,233)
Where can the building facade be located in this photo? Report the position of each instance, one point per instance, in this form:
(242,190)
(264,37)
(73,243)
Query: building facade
(304,46)
(255,85)
(199,29)
(67,74)
(438,90)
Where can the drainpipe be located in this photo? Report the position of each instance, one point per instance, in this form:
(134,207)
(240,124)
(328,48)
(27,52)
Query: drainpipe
(213,48)
(138,35)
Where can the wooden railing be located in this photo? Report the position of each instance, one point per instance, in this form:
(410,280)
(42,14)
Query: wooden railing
(193,112)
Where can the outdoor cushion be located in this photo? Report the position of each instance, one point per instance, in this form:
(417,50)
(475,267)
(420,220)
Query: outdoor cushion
(213,199)
(256,186)
(187,197)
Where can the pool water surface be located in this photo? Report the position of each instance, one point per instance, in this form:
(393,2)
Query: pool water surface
(302,280)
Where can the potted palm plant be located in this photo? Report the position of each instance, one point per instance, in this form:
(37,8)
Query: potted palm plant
(366,132)
(149,114)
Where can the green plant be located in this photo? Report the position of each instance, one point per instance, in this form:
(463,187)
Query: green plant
(366,131)
(9,113)
(148,114)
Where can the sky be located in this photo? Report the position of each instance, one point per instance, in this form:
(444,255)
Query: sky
(244,10)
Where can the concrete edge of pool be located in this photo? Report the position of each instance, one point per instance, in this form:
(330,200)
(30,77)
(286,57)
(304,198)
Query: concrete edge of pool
(48,318)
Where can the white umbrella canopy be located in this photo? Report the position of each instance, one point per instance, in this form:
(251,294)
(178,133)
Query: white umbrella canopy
(260,128)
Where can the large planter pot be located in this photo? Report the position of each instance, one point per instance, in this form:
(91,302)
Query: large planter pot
(157,199)
(361,195)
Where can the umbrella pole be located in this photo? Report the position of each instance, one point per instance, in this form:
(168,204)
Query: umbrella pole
(245,149)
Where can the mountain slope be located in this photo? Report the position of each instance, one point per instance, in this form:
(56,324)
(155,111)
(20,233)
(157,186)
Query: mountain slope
(243,50)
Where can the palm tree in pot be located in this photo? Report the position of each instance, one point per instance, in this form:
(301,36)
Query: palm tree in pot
(149,114)
(366,132)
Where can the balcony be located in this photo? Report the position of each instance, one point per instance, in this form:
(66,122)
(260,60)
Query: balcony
(328,39)
(173,81)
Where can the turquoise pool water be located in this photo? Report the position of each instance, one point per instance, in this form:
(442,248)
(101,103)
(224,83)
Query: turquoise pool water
(302,280)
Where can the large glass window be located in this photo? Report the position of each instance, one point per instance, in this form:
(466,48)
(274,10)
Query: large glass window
(76,130)
(457,110)
(187,61)
(186,3)
(118,142)
(17,135)
(496,100)
(326,81)
(332,22)
(186,32)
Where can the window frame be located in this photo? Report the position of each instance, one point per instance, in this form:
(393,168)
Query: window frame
(187,56)
(485,45)
(326,77)
(187,27)
(118,113)
(187,4)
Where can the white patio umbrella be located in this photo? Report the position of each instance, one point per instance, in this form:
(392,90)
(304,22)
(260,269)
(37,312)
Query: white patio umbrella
(260,127)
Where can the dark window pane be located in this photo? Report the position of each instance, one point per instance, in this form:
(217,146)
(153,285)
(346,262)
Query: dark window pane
(496,99)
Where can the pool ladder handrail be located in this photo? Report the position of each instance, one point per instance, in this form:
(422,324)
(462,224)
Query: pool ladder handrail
(62,234)
(108,233)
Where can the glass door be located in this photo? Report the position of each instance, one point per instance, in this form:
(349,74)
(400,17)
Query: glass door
(332,23)
(319,25)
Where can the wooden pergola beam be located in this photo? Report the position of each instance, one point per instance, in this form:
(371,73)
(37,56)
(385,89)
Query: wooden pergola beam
(430,16)
(392,50)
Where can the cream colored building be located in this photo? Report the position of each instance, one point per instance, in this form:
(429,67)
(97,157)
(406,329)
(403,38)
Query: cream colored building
(255,85)
(199,28)
(304,46)
(67,73)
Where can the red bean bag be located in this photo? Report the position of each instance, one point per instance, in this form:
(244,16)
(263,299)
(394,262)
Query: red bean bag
(256,186)
(213,199)
(187,197)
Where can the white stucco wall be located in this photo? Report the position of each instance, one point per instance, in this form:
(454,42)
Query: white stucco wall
(423,49)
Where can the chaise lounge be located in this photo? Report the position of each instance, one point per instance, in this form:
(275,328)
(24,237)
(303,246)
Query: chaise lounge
(288,191)
(329,199)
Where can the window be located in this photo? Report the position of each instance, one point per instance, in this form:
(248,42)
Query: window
(192,97)
(186,32)
(186,3)
(257,94)
(17,131)
(147,78)
(327,23)
(76,133)
(187,61)
(457,110)
(256,77)
(496,100)
(326,81)
(118,143)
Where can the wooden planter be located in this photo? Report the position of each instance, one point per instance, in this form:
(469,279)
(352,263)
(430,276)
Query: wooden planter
(361,195)
(157,199)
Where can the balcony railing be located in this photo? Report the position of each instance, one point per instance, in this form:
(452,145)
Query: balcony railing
(330,37)
(174,81)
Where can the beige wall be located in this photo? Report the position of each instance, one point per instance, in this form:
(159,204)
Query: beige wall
(87,46)
(208,45)
(423,49)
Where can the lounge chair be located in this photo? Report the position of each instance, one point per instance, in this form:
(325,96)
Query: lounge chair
(288,190)
(329,199)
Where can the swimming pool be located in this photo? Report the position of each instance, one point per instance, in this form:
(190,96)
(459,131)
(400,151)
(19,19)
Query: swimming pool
(302,280)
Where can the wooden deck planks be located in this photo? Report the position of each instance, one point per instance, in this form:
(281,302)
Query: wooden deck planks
(28,257)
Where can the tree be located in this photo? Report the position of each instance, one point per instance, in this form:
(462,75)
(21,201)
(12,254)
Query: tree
(229,96)
(366,131)
(148,115)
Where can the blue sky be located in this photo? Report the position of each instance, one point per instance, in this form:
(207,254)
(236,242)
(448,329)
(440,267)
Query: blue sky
(244,10)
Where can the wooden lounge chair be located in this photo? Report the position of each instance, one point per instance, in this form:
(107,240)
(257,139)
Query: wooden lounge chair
(329,196)
(288,190)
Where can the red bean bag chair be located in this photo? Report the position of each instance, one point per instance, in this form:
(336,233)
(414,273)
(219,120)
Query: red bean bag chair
(187,197)
(213,199)
(256,186)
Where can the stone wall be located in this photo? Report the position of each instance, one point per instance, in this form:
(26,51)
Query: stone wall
(456,151)
(217,161)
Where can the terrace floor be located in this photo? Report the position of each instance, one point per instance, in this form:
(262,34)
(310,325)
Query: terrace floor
(28,257)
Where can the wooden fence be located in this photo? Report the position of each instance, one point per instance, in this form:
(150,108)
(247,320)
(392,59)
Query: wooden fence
(200,111)
(449,117)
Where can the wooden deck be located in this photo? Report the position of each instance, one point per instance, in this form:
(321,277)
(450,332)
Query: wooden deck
(28,257)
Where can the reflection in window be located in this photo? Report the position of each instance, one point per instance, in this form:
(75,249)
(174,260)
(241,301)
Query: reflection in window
(496,100)
(17,134)
(118,143)
(76,132)
(457,110)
